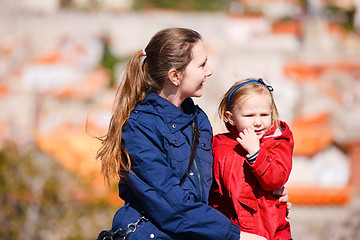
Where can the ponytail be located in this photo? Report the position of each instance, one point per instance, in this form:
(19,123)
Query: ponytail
(132,89)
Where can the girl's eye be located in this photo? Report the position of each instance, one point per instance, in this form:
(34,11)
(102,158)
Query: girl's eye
(265,115)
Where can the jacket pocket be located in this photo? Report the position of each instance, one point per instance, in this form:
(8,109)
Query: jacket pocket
(178,152)
(204,154)
(205,149)
(247,213)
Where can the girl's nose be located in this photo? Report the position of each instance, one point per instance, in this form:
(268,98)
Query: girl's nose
(257,121)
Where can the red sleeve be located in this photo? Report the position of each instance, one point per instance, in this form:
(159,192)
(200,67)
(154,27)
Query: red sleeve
(274,162)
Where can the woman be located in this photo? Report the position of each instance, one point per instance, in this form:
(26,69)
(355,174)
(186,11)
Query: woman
(149,142)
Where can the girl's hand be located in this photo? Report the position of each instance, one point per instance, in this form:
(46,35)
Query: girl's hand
(249,140)
(284,198)
(250,236)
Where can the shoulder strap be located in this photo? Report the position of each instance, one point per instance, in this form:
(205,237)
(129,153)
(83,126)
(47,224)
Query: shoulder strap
(194,144)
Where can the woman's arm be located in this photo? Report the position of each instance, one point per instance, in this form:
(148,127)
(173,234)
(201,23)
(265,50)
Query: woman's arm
(283,195)
(156,186)
(250,236)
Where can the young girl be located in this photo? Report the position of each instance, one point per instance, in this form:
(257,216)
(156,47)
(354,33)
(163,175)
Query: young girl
(252,160)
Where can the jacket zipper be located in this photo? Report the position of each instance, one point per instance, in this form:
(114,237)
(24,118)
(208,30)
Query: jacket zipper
(199,178)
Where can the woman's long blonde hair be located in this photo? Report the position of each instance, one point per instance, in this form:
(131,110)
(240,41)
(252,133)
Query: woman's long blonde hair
(146,71)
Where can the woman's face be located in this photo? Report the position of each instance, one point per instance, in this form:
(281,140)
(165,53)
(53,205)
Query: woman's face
(195,74)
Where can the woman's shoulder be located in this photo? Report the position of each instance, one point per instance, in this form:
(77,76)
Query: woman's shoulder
(139,116)
(202,117)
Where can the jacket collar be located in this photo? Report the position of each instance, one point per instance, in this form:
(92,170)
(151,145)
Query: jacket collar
(172,115)
(275,131)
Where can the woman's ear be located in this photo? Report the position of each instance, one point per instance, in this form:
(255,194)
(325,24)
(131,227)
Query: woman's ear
(229,117)
(174,76)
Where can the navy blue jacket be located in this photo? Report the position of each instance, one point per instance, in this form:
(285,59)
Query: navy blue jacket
(157,137)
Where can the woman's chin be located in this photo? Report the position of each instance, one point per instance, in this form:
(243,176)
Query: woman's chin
(198,94)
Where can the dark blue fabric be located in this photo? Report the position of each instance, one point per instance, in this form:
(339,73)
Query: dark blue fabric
(157,138)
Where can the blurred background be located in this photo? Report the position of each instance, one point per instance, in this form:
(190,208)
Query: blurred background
(60,61)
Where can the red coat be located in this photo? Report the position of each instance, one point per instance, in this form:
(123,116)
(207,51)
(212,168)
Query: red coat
(243,192)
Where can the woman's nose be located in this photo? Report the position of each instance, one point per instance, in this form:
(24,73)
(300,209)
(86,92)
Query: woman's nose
(208,71)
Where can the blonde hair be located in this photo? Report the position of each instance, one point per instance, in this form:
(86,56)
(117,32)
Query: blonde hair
(146,71)
(238,94)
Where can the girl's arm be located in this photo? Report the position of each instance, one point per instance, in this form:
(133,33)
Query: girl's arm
(270,162)
(273,163)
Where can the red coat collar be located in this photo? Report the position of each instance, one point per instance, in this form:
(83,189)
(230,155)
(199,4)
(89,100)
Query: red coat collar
(276,131)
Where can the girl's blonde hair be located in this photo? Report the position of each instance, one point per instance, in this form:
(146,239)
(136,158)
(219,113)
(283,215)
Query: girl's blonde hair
(146,71)
(237,93)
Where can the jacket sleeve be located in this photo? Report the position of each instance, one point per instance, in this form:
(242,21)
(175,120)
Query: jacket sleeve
(273,163)
(156,186)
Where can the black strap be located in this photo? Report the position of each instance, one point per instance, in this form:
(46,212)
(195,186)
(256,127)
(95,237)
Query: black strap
(194,144)
(121,234)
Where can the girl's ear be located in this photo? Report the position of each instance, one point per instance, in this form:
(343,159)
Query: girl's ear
(174,76)
(229,117)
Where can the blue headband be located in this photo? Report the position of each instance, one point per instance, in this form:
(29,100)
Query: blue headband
(244,83)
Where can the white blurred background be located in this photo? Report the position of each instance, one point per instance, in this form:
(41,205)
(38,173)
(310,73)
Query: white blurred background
(60,61)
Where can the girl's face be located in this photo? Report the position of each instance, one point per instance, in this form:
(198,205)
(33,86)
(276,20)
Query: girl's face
(252,112)
(195,73)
